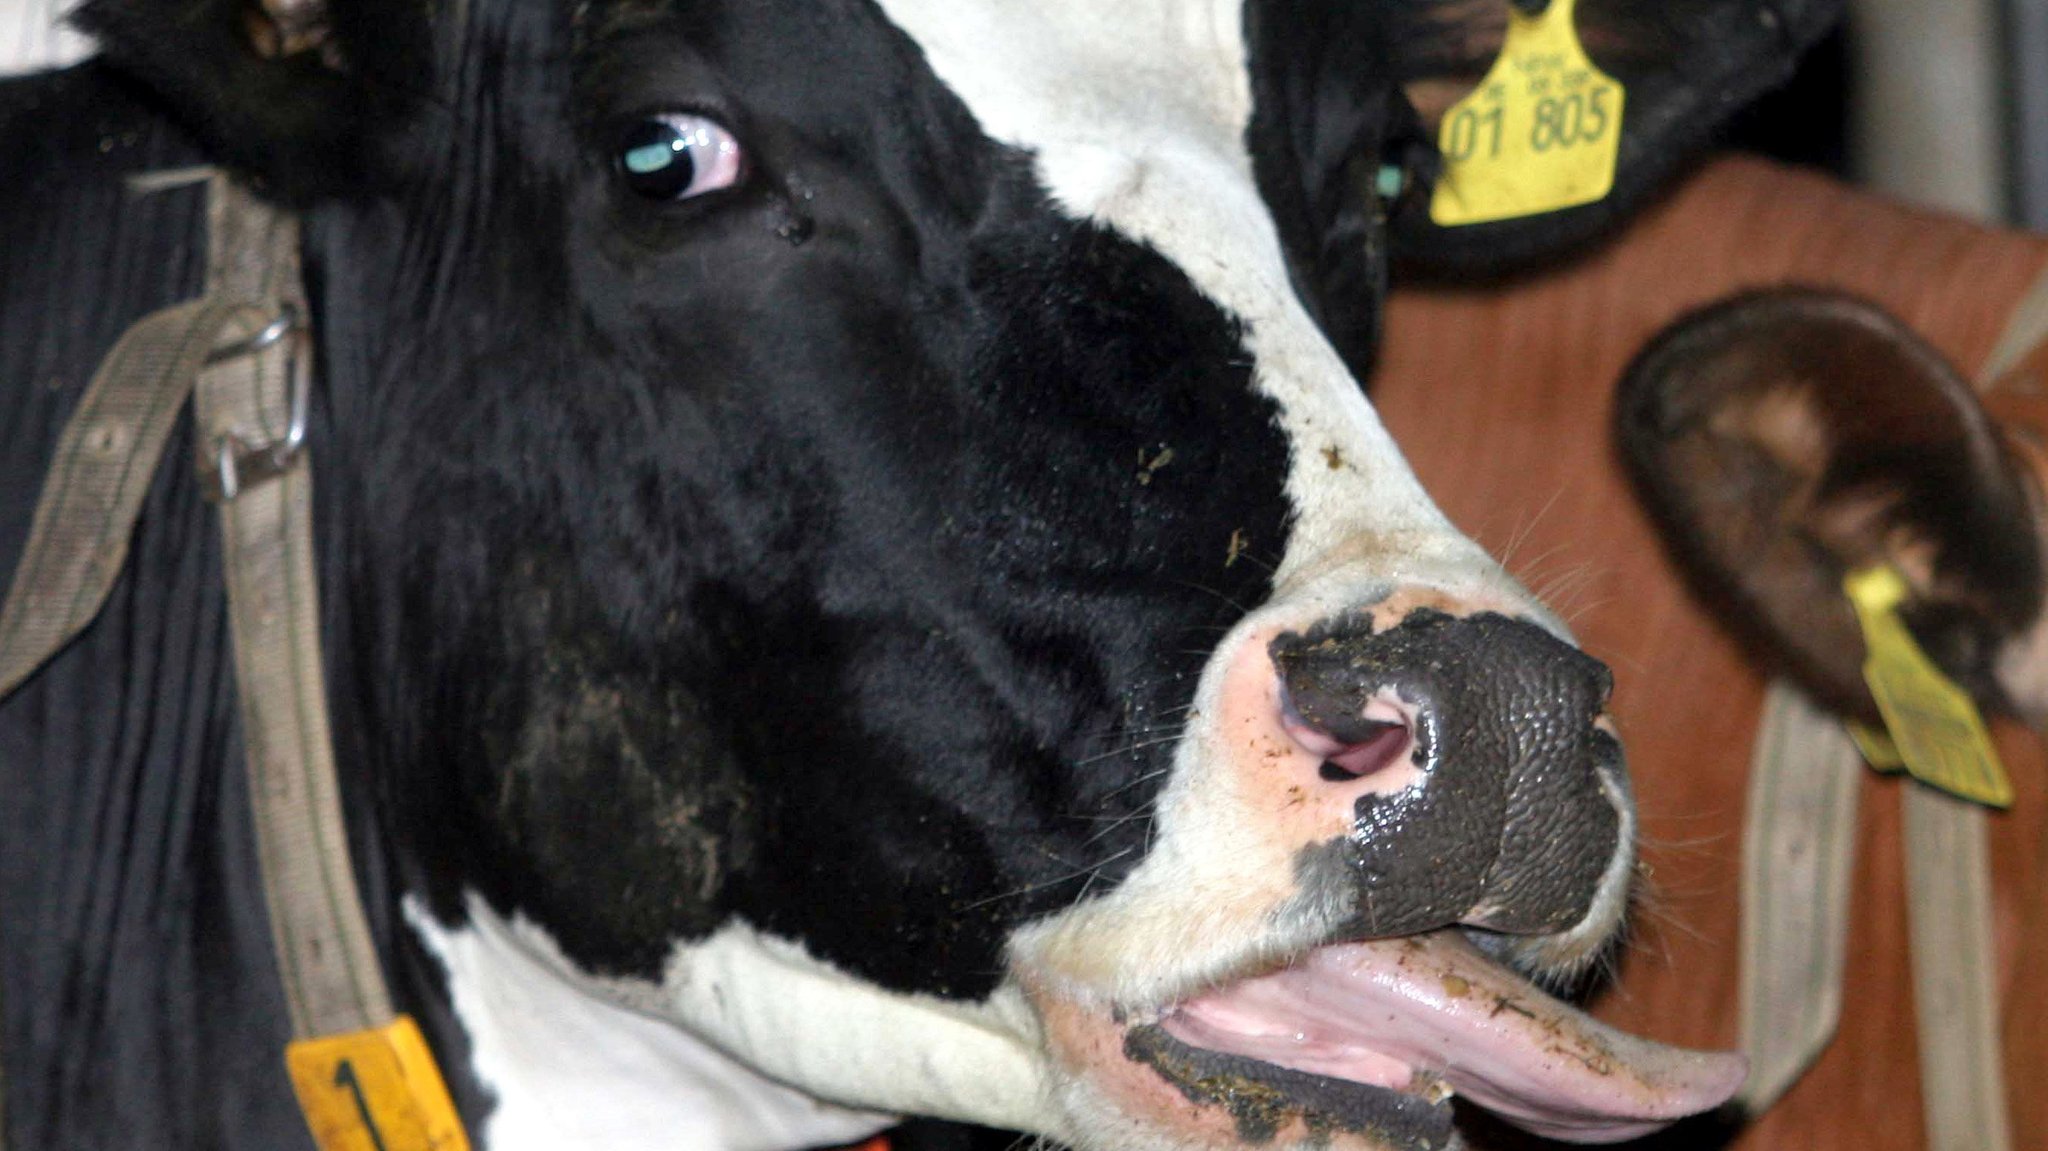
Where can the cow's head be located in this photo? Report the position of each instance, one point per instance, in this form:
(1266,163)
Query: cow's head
(864,540)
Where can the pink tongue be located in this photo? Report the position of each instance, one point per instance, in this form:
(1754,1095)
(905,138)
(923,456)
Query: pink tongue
(1402,1013)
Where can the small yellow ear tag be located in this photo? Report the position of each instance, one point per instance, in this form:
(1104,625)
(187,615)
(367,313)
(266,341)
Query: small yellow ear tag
(1936,727)
(1540,133)
(1877,747)
(374,1090)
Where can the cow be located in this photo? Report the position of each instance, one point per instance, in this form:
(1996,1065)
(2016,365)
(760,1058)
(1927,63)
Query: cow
(858,578)
(1531,467)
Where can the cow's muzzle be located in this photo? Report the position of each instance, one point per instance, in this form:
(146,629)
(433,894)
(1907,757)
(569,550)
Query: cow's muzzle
(1389,822)
(1486,776)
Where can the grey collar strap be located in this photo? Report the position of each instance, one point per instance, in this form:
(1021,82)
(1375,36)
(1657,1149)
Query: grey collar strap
(240,353)
(250,409)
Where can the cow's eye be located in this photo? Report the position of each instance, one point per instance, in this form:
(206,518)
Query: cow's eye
(675,156)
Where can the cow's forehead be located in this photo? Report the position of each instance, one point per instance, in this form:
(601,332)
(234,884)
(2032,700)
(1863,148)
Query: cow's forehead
(1137,116)
(1106,96)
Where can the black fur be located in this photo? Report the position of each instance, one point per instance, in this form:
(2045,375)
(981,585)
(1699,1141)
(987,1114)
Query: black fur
(805,555)
(301,125)
(843,543)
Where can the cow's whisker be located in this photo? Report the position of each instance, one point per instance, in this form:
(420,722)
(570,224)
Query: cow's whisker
(1527,528)
(1015,893)
(1155,773)
(1114,824)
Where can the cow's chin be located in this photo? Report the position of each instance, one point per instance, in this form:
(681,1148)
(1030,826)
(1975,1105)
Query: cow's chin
(1361,1045)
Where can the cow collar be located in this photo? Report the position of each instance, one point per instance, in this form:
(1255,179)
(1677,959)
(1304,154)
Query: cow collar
(362,1072)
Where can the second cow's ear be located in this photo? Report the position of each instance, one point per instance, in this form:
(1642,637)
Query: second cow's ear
(1786,438)
(293,94)
(1685,65)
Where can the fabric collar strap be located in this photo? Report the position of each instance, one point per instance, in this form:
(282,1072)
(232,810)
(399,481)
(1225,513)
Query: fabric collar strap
(240,353)
(250,407)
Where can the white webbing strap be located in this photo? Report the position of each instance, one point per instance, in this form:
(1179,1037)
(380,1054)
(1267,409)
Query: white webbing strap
(1798,855)
(1948,900)
(1955,996)
(2026,328)
(105,459)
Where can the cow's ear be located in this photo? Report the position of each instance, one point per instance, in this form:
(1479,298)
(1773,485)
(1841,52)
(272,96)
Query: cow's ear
(1329,127)
(1685,65)
(1786,438)
(293,94)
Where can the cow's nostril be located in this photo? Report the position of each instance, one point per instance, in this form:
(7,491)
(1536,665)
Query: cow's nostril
(1469,754)
(1383,747)
(1351,747)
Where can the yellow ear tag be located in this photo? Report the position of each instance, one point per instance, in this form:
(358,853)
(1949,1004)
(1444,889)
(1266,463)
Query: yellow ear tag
(1540,133)
(1939,733)
(1877,747)
(374,1090)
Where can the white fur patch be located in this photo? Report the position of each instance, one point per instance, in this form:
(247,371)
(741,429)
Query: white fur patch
(575,1069)
(33,37)
(804,1021)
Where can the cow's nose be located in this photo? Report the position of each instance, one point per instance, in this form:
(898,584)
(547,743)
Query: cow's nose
(1486,781)
(1373,738)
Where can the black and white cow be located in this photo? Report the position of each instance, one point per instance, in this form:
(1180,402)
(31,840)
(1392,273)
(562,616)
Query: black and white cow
(859,579)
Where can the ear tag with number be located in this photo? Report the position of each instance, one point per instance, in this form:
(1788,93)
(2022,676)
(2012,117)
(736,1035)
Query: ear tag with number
(374,1090)
(1539,133)
(1934,723)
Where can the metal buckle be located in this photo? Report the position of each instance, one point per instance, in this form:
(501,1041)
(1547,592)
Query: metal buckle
(285,324)
(241,463)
